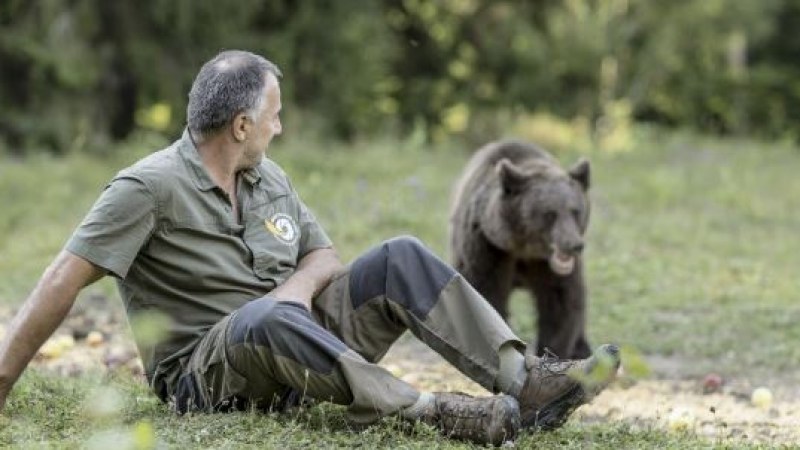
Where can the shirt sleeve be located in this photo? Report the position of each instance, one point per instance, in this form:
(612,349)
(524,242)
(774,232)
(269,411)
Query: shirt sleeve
(119,224)
(312,236)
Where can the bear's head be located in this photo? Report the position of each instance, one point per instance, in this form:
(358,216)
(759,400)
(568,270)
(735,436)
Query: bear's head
(539,211)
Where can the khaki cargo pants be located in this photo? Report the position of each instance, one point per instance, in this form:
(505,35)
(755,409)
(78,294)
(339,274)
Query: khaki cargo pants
(269,354)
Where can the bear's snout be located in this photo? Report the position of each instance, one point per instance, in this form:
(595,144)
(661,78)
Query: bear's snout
(574,248)
(566,238)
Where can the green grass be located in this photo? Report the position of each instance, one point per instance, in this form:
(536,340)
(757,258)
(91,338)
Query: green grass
(692,256)
(48,412)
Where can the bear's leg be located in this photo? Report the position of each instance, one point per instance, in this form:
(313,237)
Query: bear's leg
(488,269)
(582,348)
(561,304)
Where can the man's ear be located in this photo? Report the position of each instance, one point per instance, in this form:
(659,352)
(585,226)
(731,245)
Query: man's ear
(240,127)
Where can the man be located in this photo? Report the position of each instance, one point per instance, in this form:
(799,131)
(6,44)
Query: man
(262,313)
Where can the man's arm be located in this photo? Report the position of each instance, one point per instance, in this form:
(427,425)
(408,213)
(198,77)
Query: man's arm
(314,272)
(42,313)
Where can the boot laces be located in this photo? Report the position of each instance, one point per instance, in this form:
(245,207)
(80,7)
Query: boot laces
(552,365)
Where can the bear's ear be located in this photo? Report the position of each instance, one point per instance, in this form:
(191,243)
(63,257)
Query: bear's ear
(512,178)
(580,172)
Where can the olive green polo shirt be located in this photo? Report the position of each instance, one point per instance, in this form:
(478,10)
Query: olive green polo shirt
(166,231)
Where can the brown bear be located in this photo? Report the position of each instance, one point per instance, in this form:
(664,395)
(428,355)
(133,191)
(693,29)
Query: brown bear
(518,220)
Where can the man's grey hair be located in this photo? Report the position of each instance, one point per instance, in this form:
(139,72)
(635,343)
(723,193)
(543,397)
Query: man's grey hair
(231,83)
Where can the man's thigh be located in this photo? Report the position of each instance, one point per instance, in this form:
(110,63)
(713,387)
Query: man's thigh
(264,355)
(220,386)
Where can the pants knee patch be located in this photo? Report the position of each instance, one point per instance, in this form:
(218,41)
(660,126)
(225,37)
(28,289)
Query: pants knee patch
(403,270)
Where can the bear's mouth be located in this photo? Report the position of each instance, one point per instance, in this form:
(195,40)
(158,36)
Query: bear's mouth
(561,263)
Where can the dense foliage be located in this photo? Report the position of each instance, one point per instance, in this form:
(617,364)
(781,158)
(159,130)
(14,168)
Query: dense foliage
(80,73)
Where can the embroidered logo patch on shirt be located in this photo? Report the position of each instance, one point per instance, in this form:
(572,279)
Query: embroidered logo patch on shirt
(282,227)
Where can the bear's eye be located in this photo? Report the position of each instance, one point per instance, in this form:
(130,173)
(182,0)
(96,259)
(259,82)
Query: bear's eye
(549,217)
(576,213)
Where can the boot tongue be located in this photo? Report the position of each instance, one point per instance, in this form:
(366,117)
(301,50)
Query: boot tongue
(561,263)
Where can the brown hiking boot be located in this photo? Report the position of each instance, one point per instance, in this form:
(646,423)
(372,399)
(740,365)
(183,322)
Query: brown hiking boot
(556,387)
(482,420)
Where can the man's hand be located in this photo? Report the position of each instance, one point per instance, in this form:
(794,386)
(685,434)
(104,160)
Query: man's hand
(313,274)
(41,314)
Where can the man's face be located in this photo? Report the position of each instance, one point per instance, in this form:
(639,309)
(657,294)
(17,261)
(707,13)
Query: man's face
(266,126)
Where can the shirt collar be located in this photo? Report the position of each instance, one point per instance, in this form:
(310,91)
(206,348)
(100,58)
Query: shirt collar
(200,175)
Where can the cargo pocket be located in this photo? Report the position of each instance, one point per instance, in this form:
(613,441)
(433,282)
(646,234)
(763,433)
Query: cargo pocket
(225,389)
(210,383)
(272,234)
(188,397)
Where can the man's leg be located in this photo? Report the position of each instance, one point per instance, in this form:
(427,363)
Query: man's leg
(269,350)
(269,347)
(401,285)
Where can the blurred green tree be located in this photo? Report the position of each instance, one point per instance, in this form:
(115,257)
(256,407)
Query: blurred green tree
(81,74)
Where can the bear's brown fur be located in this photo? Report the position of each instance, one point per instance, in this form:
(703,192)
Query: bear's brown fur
(518,220)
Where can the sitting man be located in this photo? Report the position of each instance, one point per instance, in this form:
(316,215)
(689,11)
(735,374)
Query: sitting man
(212,235)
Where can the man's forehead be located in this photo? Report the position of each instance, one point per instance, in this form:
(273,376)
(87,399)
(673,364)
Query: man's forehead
(272,80)
(273,91)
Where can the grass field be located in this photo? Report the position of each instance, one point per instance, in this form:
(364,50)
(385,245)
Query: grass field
(691,259)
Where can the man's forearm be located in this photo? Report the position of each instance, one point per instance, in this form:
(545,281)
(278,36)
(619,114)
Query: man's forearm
(42,313)
(313,274)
